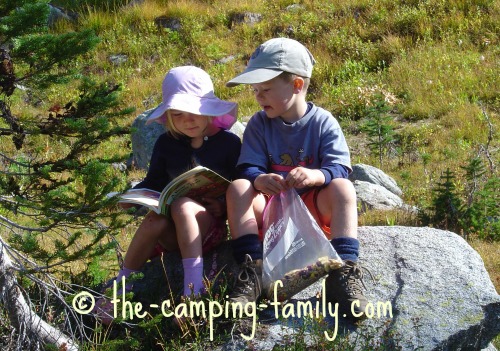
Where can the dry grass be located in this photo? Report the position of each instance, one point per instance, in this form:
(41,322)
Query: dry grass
(490,253)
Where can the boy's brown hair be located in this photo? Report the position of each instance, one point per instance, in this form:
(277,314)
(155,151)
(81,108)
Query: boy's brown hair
(289,77)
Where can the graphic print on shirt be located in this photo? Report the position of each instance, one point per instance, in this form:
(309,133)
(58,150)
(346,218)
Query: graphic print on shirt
(286,163)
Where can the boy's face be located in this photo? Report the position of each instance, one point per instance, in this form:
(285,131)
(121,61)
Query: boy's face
(279,98)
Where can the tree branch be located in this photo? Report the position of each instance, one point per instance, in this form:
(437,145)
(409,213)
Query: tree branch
(21,316)
(18,226)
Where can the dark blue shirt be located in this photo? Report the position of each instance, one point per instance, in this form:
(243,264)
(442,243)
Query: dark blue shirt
(172,157)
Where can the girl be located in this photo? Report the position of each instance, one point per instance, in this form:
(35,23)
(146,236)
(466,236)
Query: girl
(196,121)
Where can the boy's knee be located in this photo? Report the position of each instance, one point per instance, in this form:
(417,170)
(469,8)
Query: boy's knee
(342,189)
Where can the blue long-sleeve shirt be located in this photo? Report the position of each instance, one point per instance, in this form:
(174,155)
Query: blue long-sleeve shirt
(315,141)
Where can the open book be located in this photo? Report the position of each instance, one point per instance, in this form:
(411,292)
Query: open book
(196,184)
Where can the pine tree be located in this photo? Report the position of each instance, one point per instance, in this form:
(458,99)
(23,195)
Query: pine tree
(446,203)
(53,208)
(481,213)
(379,128)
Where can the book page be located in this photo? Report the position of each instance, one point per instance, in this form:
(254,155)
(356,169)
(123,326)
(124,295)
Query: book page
(145,197)
(197,183)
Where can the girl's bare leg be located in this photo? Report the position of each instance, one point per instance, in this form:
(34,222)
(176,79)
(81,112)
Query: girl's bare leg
(152,228)
(192,221)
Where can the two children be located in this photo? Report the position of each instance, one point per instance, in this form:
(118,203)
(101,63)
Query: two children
(289,143)
(292,143)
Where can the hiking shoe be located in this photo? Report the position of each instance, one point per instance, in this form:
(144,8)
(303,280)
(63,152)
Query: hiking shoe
(248,286)
(103,309)
(344,286)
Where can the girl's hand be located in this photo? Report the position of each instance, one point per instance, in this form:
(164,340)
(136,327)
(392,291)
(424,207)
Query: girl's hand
(301,177)
(215,207)
(270,183)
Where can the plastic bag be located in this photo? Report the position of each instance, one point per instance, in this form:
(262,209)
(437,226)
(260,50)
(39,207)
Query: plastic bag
(296,251)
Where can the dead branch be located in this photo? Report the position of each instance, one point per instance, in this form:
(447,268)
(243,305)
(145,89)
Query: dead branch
(23,319)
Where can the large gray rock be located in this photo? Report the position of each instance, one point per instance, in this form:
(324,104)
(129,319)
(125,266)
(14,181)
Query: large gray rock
(370,174)
(442,296)
(375,196)
(143,139)
(58,13)
(433,282)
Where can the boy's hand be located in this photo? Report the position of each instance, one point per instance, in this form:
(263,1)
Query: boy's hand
(214,206)
(270,183)
(301,177)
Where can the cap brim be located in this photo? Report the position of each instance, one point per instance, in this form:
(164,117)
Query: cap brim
(254,76)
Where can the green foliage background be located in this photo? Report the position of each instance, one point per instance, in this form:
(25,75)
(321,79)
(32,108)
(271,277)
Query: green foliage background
(429,67)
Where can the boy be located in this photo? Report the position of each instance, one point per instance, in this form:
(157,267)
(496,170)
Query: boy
(292,143)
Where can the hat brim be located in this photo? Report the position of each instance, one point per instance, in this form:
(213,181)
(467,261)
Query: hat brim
(225,112)
(254,76)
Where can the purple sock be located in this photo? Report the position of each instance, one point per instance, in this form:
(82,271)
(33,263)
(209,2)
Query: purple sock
(193,275)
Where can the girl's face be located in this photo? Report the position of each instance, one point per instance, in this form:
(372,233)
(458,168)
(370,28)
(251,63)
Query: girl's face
(189,124)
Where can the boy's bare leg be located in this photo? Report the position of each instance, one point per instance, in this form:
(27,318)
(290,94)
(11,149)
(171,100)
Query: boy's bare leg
(338,206)
(245,207)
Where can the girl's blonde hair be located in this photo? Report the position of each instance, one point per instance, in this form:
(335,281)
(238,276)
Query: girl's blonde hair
(169,125)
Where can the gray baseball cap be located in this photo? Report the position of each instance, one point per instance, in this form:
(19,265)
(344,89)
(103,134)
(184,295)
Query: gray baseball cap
(274,57)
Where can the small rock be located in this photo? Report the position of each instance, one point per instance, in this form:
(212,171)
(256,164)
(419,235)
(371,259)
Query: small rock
(118,59)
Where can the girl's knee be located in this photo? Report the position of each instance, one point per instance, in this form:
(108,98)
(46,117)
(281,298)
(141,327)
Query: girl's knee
(153,217)
(181,206)
(238,188)
(153,224)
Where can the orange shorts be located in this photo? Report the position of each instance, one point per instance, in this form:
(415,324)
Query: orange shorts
(310,200)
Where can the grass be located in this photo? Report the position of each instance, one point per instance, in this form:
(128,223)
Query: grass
(489,253)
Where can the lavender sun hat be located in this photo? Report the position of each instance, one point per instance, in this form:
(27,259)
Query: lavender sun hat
(190,89)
